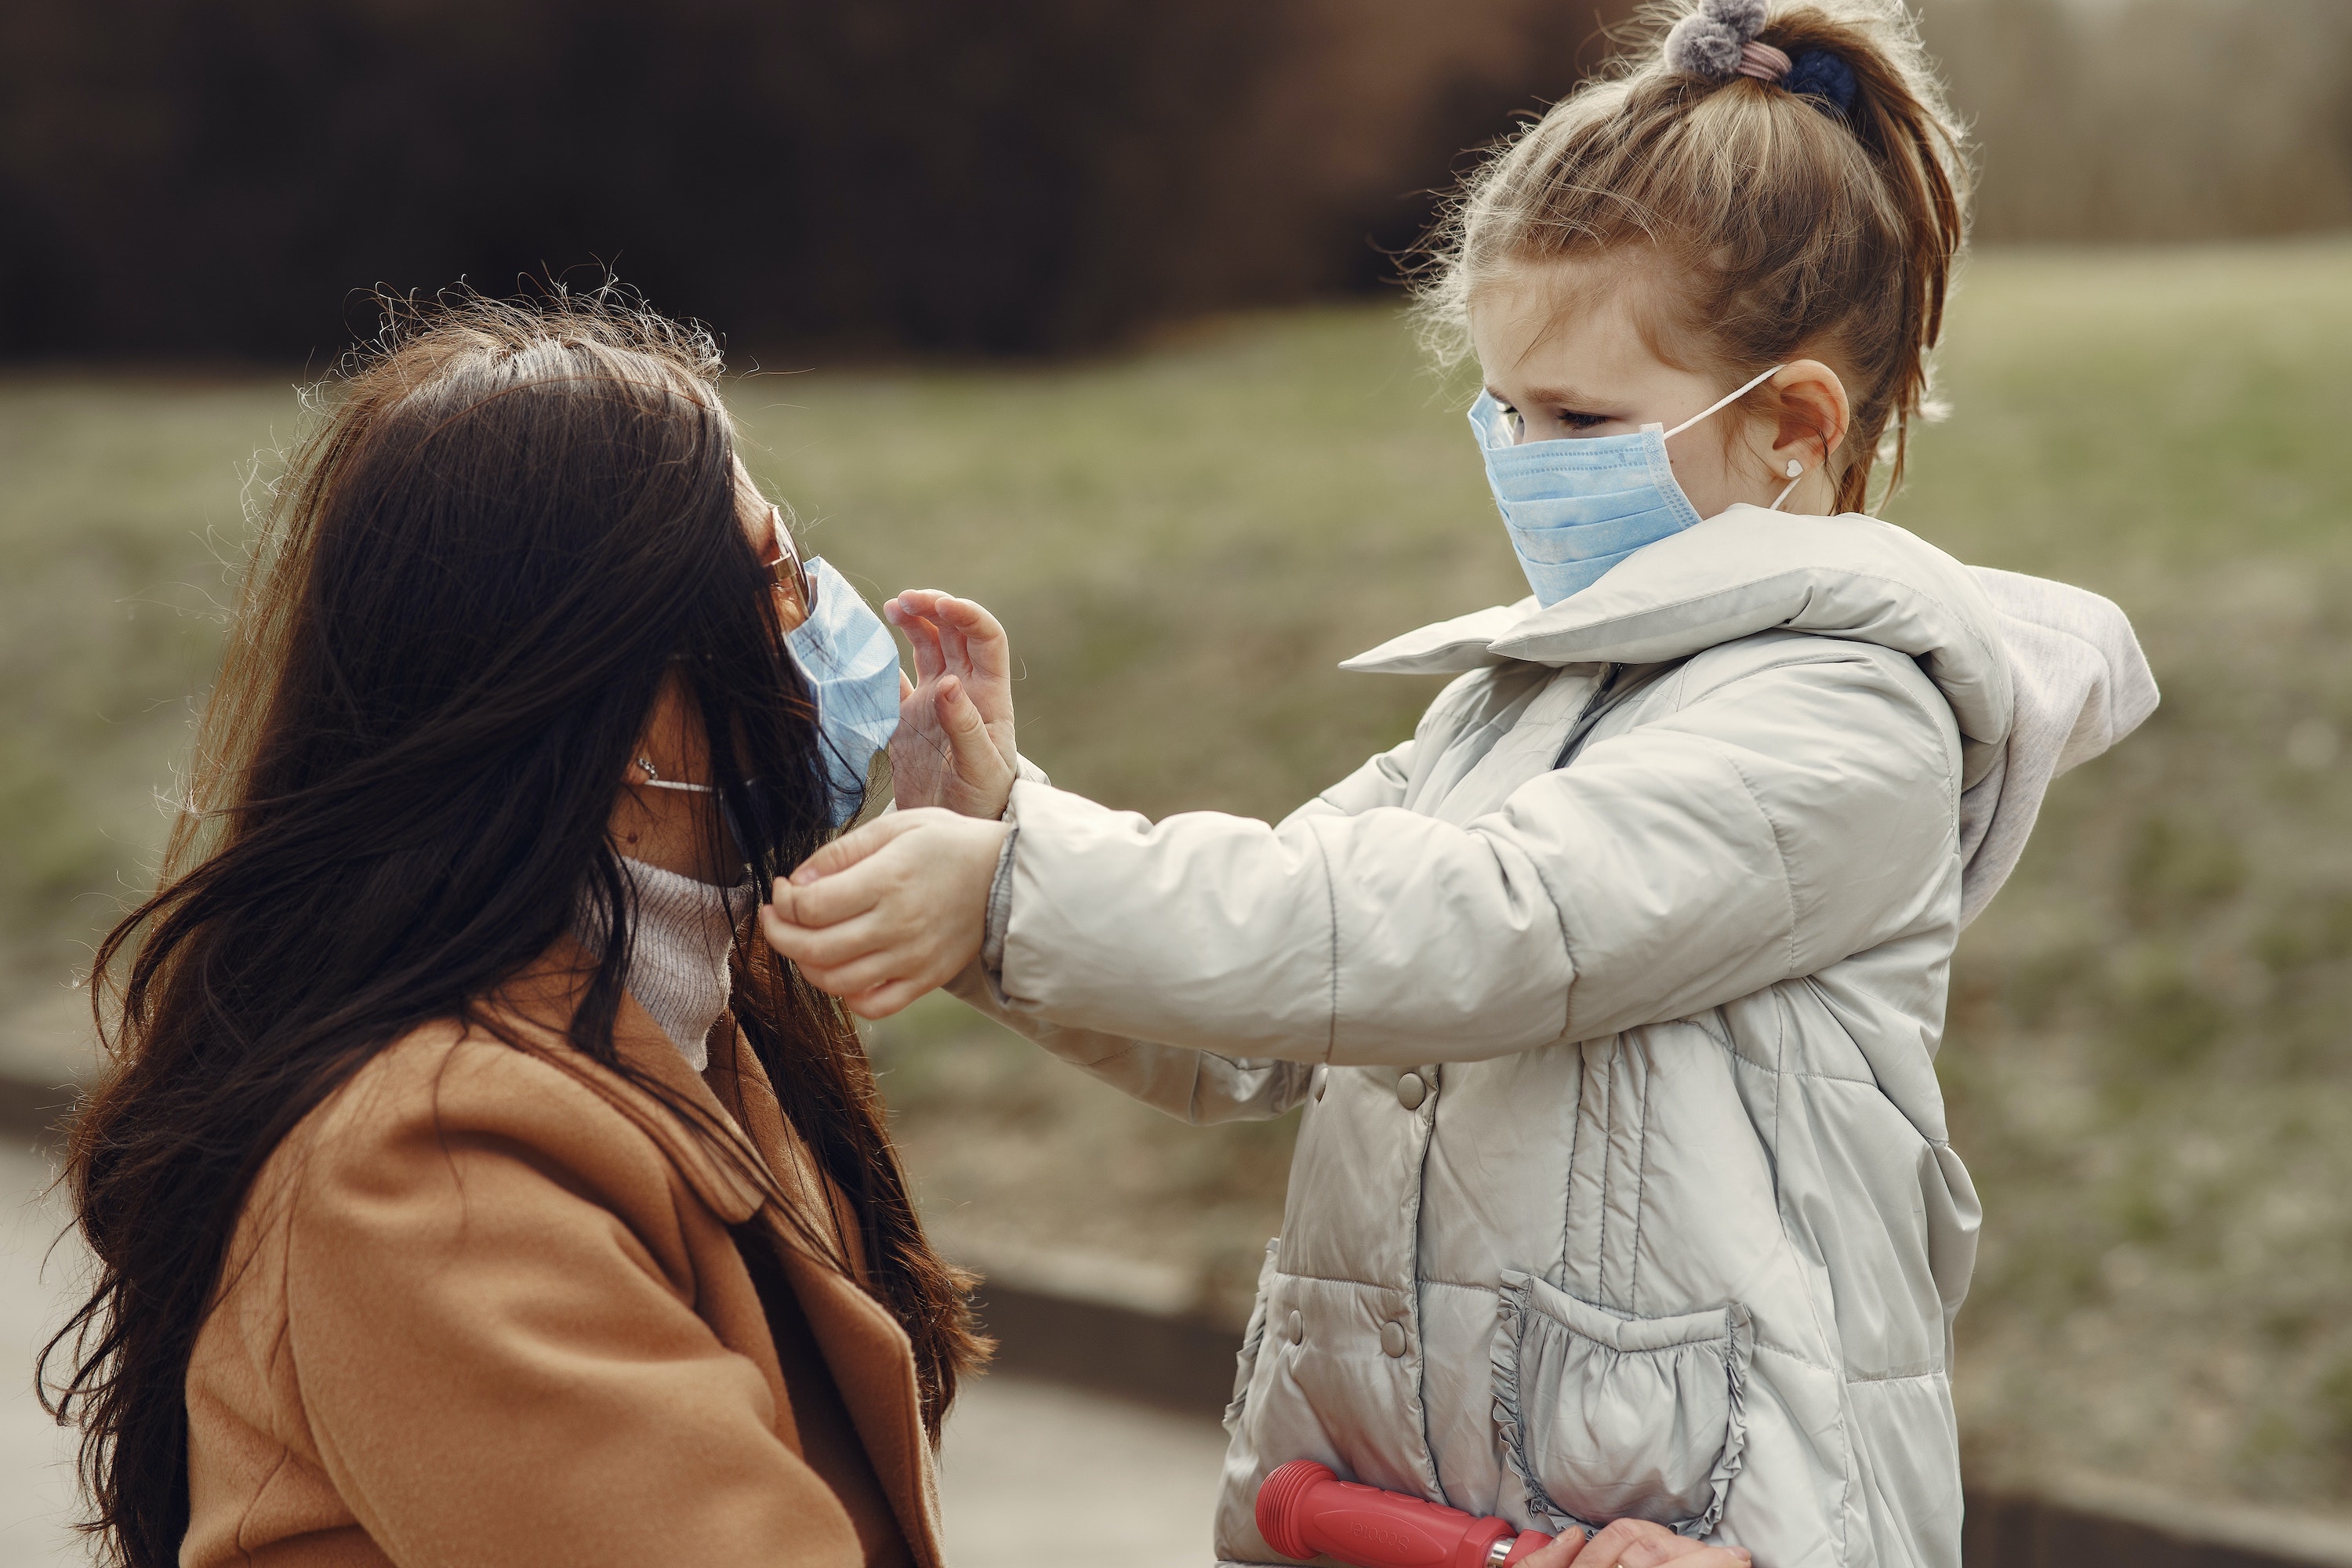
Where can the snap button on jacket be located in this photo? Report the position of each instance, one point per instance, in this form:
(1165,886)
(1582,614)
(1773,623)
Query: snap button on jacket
(489,1304)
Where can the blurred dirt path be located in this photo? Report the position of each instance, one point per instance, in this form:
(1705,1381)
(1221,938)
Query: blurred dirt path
(35,1457)
(1040,1475)
(1035,1476)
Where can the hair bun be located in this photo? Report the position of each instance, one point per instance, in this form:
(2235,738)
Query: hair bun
(1707,43)
(1823,76)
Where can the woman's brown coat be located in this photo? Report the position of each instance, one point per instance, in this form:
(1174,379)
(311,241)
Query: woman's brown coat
(485,1307)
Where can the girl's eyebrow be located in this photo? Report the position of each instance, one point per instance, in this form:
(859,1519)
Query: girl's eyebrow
(1564,397)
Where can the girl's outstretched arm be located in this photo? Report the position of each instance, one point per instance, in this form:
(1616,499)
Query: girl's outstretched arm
(1781,822)
(1196,1086)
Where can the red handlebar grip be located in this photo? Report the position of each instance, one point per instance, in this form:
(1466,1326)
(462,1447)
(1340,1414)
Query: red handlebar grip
(1304,1510)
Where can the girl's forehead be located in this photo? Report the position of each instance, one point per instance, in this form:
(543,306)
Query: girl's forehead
(1566,310)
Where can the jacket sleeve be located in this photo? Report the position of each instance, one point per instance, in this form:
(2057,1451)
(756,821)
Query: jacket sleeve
(491,1319)
(1380,782)
(1192,1085)
(1778,823)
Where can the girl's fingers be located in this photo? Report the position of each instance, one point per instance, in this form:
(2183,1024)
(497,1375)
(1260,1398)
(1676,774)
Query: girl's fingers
(976,756)
(822,949)
(923,636)
(923,602)
(844,896)
(951,640)
(931,658)
(875,949)
(851,848)
(791,942)
(991,651)
(884,1000)
(895,921)
(1616,1544)
(960,622)
(819,906)
(1638,1543)
(856,976)
(1562,1551)
(952,636)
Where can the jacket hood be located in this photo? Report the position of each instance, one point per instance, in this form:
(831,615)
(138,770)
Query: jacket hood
(2040,676)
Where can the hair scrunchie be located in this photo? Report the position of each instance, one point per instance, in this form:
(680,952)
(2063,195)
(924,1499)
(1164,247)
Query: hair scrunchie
(1718,41)
(1824,78)
(1708,42)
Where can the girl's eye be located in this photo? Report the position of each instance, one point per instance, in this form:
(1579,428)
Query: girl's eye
(1569,417)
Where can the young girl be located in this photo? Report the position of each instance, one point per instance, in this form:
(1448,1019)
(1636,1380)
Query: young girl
(1623,1190)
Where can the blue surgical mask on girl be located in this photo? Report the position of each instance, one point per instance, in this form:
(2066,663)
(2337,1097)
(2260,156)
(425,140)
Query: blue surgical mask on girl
(852,665)
(1576,506)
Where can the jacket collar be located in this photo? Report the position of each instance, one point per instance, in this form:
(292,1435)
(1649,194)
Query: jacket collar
(1742,573)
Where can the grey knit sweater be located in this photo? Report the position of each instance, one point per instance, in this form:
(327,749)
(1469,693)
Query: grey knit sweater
(677,960)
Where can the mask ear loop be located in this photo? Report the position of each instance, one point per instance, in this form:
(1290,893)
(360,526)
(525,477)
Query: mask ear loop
(654,781)
(1794,479)
(734,828)
(1722,402)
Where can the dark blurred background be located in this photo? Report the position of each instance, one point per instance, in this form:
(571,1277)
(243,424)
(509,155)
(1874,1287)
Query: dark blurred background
(216,178)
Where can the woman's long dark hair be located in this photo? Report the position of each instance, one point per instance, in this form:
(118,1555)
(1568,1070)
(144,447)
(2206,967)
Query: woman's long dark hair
(512,524)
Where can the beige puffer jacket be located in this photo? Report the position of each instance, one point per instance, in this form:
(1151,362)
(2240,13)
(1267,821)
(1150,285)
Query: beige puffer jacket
(1613,996)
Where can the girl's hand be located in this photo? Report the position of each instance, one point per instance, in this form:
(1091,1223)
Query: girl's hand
(1635,1543)
(954,745)
(879,916)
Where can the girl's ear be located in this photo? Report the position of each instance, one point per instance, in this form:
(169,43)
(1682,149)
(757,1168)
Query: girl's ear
(1814,414)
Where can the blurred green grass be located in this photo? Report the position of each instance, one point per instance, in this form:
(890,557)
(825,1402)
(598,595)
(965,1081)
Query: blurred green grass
(2150,1055)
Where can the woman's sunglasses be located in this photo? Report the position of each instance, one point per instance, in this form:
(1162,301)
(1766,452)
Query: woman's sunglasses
(784,561)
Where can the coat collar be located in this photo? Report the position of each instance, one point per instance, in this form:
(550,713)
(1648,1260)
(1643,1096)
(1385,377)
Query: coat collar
(869,1353)
(536,1007)
(872,1361)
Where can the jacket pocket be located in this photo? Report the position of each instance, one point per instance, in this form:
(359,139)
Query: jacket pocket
(1603,1417)
(1245,1362)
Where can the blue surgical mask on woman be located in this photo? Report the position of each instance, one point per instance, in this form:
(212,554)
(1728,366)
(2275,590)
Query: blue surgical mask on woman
(852,665)
(845,654)
(1577,506)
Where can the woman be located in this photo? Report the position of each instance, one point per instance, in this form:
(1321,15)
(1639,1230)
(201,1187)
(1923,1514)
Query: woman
(455,1198)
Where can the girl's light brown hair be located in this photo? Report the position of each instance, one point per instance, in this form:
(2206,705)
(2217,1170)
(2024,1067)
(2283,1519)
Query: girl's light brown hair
(1781,227)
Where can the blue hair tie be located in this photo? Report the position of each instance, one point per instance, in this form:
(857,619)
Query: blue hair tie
(1821,75)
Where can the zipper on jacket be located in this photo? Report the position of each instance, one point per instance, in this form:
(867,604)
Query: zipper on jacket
(1610,695)
(1594,706)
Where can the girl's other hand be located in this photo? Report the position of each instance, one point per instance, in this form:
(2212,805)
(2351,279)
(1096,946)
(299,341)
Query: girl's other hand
(954,746)
(882,915)
(1635,1543)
